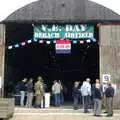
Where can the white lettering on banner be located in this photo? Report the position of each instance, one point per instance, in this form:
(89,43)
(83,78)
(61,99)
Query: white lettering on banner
(72,28)
(76,28)
(44,27)
(54,28)
(78,35)
(69,31)
(67,35)
(47,35)
(63,46)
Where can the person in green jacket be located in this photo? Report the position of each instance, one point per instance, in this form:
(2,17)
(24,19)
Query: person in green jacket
(38,92)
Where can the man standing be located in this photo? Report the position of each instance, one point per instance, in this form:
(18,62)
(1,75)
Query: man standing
(29,86)
(97,81)
(56,89)
(22,91)
(76,95)
(97,99)
(38,92)
(86,93)
(109,93)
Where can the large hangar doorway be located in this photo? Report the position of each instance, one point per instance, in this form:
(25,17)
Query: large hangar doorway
(33,59)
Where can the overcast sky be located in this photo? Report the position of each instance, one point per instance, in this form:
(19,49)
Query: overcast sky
(9,6)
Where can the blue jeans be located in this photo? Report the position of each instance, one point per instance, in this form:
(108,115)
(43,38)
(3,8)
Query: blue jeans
(75,103)
(22,98)
(57,99)
(61,98)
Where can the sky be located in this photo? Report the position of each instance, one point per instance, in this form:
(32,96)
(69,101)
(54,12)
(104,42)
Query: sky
(9,6)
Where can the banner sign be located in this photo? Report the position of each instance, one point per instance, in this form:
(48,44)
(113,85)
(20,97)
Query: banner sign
(63,46)
(63,31)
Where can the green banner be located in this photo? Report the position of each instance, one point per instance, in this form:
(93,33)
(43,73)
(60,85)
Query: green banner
(63,31)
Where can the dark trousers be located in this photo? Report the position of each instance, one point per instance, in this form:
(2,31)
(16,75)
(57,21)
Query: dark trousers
(109,101)
(75,103)
(85,103)
(61,98)
(57,99)
(89,102)
(97,106)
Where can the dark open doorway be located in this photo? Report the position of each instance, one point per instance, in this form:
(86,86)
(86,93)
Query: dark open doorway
(36,59)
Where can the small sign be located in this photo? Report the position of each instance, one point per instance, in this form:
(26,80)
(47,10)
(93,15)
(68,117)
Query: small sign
(106,78)
(63,46)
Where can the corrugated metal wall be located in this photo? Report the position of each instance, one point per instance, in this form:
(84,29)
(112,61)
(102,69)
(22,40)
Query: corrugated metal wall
(2,54)
(110,56)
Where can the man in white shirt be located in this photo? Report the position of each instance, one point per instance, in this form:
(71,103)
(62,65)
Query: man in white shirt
(86,93)
(56,89)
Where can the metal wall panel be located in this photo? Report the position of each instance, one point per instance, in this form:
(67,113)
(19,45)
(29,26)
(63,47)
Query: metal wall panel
(2,54)
(110,56)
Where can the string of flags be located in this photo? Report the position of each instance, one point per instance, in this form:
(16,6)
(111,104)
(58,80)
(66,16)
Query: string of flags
(26,42)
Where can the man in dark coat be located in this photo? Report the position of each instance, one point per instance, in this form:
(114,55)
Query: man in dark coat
(22,91)
(76,95)
(29,87)
(97,100)
(109,93)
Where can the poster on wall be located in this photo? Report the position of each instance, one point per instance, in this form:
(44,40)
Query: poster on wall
(63,47)
(106,78)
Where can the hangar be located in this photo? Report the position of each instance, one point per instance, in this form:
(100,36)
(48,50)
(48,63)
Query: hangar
(94,59)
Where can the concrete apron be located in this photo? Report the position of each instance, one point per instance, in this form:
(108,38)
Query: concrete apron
(59,114)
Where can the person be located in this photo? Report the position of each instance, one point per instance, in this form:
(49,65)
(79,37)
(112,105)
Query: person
(38,92)
(56,89)
(89,95)
(61,93)
(76,95)
(109,93)
(80,96)
(44,88)
(22,88)
(97,81)
(97,100)
(86,92)
(29,87)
